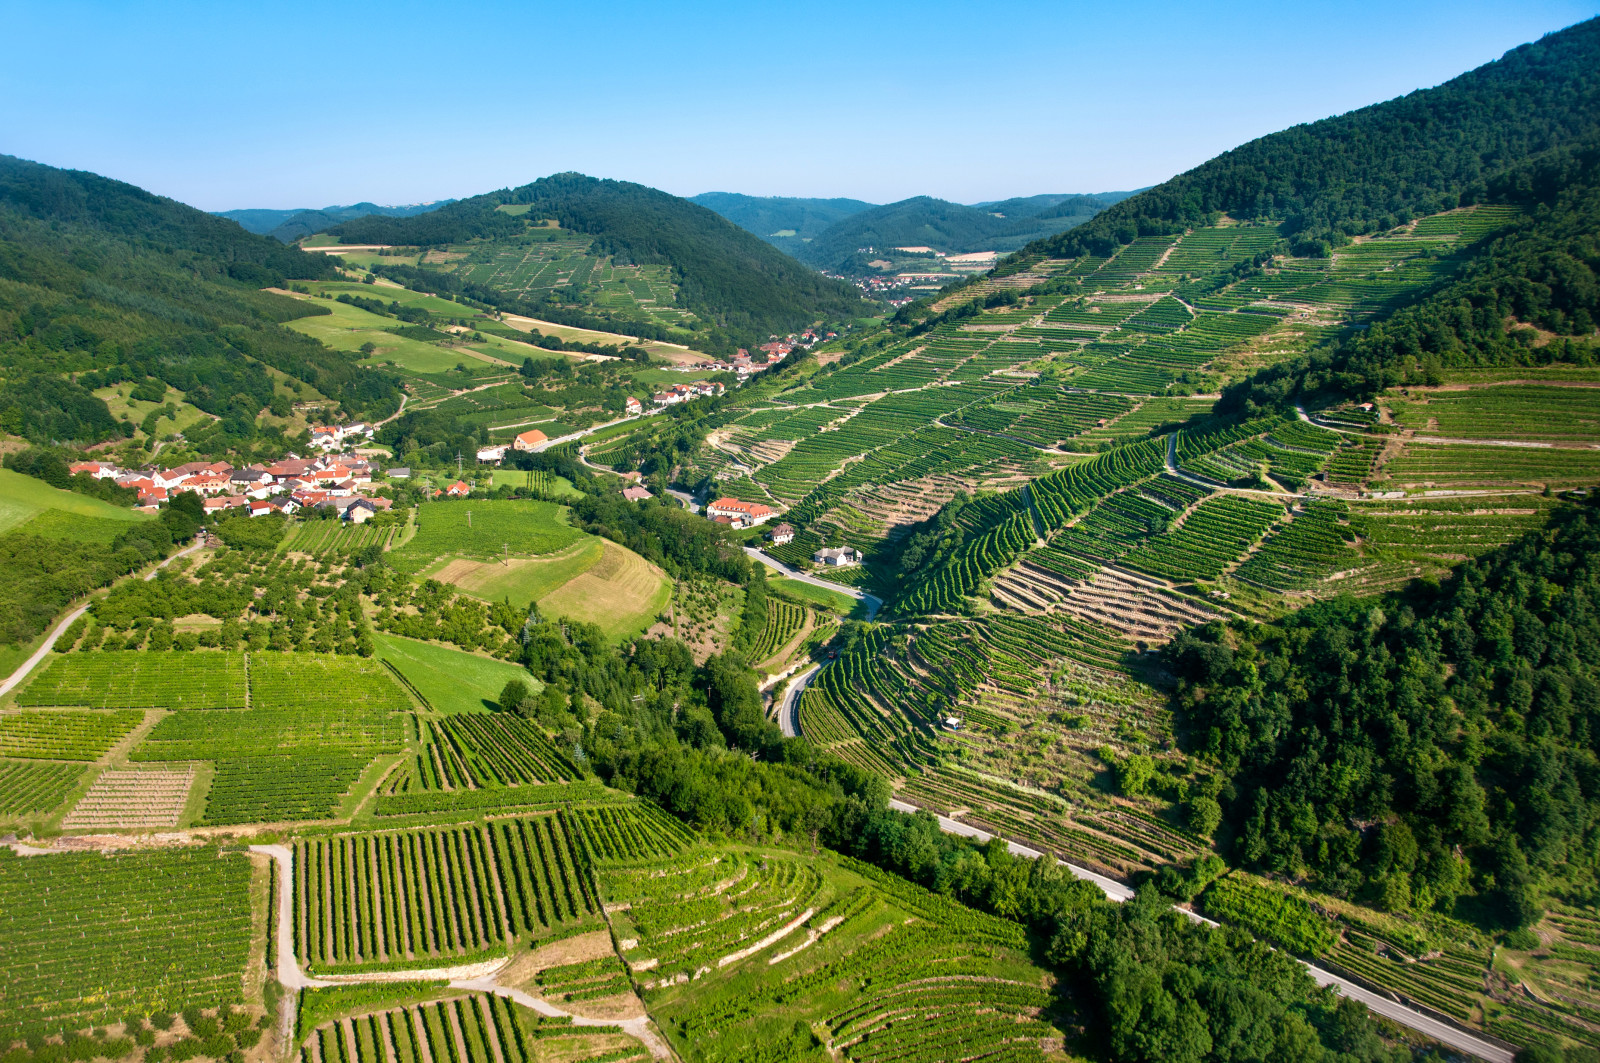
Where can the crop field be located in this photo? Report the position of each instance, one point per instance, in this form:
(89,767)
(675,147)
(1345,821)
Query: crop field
(65,734)
(124,680)
(155,931)
(627,833)
(447,679)
(1421,466)
(27,787)
(888,969)
(476,1027)
(1506,412)
(314,723)
(323,539)
(441,894)
(26,499)
(485,528)
(134,799)
(1314,545)
(1212,537)
(784,622)
(471,751)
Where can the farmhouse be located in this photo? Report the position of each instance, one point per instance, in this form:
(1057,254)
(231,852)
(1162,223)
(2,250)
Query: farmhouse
(741,514)
(532,439)
(636,494)
(782,534)
(632,405)
(837,556)
(459,489)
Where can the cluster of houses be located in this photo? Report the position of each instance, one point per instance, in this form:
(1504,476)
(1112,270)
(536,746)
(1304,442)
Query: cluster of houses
(333,481)
(686,392)
(329,438)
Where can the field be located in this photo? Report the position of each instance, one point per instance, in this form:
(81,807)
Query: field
(622,593)
(157,931)
(485,529)
(64,735)
(24,500)
(31,787)
(449,680)
(520,579)
(444,895)
(347,328)
(121,680)
(811,594)
(475,1027)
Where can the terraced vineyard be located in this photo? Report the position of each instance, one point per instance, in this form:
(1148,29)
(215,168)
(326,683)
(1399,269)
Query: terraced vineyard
(490,1027)
(888,969)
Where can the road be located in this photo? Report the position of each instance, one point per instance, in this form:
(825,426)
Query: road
(547,444)
(44,649)
(1392,1010)
(292,978)
(873,602)
(789,707)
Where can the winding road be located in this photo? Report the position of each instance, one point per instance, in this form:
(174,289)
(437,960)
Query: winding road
(873,602)
(292,978)
(789,707)
(1391,1009)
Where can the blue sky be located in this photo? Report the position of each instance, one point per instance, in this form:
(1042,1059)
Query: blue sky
(303,105)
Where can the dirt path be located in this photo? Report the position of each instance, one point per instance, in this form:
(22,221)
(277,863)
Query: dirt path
(478,977)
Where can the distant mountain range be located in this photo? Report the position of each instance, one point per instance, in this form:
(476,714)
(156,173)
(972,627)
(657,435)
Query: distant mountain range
(827,233)
(290,225)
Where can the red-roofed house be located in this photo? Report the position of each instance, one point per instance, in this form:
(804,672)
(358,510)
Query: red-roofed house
(532,439)
(742,514)
(636,494)
(459,489)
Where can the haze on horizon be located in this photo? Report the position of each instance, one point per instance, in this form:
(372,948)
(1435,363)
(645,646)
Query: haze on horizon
(300,106)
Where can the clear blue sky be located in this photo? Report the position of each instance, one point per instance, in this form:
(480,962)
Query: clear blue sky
(224,104)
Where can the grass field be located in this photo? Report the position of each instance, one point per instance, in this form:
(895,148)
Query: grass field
(622,592)
(451,680)
(348,327)
(520,579)
(22,498)
(486,529)
(795,590)
(558,485)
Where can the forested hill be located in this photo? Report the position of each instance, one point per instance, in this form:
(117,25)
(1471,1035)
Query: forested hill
(101,281)
(1376,167)
(286,226)
(949,227)
(1530,295)
(784,222)
(724,273)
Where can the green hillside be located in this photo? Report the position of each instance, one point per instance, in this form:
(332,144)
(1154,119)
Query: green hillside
(108,282)
(727,277)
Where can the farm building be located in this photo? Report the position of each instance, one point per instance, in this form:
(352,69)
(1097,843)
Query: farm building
(837,556)
(742,514)
(636,494)
(532,439)
(493,454)
(782,534)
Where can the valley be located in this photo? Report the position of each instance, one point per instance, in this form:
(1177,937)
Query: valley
(578,624)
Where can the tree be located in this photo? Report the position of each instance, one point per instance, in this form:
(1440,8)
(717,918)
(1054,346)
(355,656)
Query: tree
(515,697)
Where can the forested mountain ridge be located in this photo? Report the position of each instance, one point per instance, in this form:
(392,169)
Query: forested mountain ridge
(1379,166)
(286,226)
(101,281)
(771,217)
(952,228)
(724,273)
(1539,275)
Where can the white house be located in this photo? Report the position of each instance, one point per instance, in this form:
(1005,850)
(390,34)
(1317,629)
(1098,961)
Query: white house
(493,454)
(837,556)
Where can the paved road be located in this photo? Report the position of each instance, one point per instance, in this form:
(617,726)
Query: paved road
(873,602)
(789,708)
(547,444)
(24,669)
(1410,1018)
